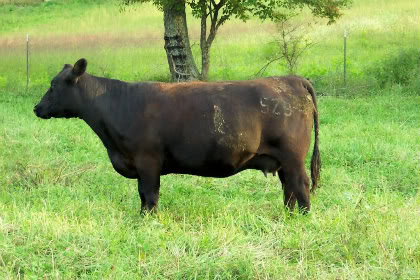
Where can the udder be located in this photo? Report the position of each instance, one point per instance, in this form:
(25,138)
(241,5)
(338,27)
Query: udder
(265,163)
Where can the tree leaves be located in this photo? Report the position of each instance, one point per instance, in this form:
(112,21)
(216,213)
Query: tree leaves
(263,9)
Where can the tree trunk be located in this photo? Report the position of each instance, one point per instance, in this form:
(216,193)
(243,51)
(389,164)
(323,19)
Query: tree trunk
(177,43)
(205,62)
(205,59)
(207,41)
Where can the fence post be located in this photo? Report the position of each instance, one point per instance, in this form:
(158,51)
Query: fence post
(27,62)
(345,58)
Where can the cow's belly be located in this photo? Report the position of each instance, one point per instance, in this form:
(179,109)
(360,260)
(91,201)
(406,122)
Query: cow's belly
(216,169)
(222,163)
(222,169)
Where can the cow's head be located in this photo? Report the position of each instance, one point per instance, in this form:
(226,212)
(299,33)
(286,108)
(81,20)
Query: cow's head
(64,95)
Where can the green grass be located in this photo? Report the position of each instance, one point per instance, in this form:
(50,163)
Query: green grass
(66,214)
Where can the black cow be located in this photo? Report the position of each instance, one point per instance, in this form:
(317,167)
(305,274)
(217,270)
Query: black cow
(207,129)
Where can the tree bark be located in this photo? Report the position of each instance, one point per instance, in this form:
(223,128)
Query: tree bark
(209,10)
(205,58)
(177,43)
(205,61)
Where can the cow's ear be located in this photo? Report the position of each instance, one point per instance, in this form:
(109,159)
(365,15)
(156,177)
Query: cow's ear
(67,66)
(80,67)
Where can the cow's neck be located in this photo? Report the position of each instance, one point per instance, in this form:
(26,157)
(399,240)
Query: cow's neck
(105,109)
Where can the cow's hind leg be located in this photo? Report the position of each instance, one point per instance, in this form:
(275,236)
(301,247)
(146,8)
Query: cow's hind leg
(296,187)
(289,197)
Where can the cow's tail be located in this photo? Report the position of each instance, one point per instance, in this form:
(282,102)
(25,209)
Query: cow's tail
(316,158)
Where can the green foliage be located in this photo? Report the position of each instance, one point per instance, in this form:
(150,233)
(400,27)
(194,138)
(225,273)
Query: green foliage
(223,10)
(401,67)
(264,9)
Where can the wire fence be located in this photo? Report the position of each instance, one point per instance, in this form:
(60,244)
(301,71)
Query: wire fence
(337,81)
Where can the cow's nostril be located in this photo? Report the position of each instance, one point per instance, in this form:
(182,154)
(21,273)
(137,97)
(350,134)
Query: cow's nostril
(36,110)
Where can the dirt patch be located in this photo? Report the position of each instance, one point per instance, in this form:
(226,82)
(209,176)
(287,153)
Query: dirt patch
(144,39)
(82,41)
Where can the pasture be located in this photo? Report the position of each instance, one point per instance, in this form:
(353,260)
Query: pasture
(66,214)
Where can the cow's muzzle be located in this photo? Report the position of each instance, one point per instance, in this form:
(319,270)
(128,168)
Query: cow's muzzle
(39,112)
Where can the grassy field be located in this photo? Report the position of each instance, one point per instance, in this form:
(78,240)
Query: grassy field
(66,214)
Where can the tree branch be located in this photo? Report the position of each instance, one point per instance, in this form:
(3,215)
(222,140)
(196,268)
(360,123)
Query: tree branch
(203,33)
(262,70)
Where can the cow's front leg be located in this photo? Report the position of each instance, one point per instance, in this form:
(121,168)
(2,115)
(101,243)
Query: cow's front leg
(149,193)
(148,185)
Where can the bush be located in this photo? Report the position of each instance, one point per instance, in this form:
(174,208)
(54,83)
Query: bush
(401,68)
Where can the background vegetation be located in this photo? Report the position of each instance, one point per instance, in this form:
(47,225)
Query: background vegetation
(65,213)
